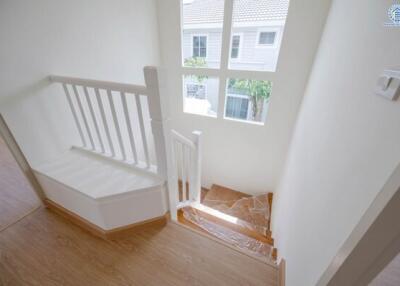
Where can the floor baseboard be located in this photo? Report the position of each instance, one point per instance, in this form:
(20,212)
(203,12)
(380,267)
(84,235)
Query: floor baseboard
(98,231)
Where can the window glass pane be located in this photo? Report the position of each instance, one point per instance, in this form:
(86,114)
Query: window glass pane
(235,41)
(237,107)
(200,95)
(196,41)
(261,24)
(202,22)
(195,90)
(203,42)
(235,46)
(247,99)
(235,53)
(267,38)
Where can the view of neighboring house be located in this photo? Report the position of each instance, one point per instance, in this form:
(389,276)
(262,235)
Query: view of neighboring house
(255,43)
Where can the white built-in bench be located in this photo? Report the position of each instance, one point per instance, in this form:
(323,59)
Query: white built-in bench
(105,192)
(108,181)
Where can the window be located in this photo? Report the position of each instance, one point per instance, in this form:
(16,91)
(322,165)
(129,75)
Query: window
(266,38)
(251,47)
(197,91)
(199,47)
(235,46)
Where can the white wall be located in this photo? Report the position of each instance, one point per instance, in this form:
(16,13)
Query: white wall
(244,156)
(346,141)
(99,39)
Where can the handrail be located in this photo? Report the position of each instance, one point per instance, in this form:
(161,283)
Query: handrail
(183,139)
(107,85)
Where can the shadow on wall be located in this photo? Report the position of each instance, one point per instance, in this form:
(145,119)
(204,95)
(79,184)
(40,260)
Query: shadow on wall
(38,119)
(28,90)
(41,120)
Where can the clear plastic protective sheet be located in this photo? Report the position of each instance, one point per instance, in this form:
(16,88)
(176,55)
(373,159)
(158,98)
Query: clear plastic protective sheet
(241,241)
(252,212)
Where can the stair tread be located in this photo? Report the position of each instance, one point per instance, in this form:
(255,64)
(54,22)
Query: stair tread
(219,195)
(227,232)
(255,210)
(230,222)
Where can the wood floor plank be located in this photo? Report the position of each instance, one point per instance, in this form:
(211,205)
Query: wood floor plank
(45,249)
(16,194)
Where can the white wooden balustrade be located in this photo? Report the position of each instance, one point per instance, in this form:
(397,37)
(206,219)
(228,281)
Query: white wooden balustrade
(105,114)
(98,121)
(186,166)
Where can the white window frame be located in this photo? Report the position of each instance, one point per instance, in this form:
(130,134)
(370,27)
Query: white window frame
(240,48)
(224,73)
(191,44)
(268,30)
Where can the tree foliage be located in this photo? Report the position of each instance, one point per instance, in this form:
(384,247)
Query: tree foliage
(196,62)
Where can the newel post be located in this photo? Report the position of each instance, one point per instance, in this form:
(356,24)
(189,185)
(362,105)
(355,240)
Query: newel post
(160,125)
(159,115)
(196,168)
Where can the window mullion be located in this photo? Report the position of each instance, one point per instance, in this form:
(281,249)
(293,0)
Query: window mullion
(225,52)
(226,34)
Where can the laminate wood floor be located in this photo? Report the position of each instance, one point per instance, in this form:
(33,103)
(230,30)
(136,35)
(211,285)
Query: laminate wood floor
(390,275)
(16,194)
(46,249)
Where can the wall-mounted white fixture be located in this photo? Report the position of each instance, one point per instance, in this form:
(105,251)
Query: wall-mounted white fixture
(388,84)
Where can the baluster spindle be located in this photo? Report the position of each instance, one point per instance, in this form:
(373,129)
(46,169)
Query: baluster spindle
(173,186)
(190,172)
(105,124)
(85,122)
(96,126)
(71,105)
(196,167)
(129,127)
(142,130)
(116,124)
(183,170)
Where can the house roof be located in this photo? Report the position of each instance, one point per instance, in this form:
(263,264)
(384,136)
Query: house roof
(211,11)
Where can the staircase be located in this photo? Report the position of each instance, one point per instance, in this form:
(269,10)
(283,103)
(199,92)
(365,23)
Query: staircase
(129,162)
(236,218)
(253,212)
